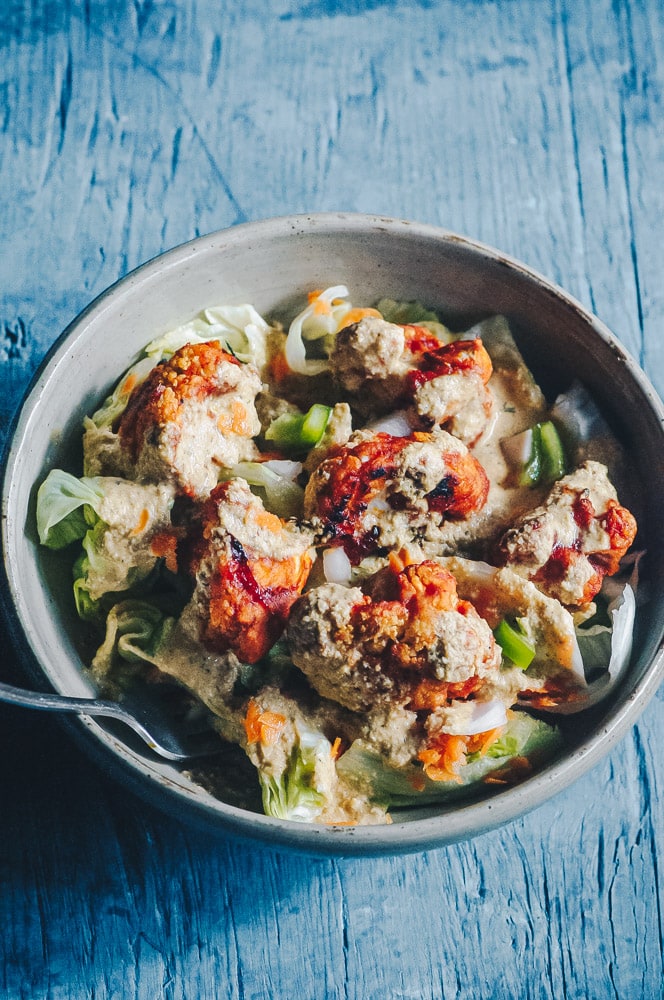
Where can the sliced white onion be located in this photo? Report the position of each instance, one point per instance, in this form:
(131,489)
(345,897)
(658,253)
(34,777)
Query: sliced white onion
(284,468)
(295,350)
(518,448)
(336,566)
(486,715)
(396,424)
(577,666)
(465,718)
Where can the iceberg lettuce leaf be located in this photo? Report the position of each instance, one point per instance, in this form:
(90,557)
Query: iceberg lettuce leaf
(66,508)
(135,631)
(523,736)
(294,794)
(241,329)
(407,313)
(114,405)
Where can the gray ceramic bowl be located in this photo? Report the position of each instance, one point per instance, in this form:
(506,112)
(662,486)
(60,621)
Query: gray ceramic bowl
(273,265)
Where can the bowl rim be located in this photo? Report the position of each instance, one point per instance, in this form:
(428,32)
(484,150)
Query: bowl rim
(464,820)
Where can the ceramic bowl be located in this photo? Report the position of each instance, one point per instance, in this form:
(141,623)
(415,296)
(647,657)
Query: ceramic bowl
(273,264)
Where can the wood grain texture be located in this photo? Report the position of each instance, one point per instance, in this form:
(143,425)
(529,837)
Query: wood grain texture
(126,128)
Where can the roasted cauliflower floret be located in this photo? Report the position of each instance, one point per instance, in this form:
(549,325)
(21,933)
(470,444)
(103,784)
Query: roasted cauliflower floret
(249,566)
(371,356)
(385,367)
(410,643)
(193,414)
(574,539)
(382,491)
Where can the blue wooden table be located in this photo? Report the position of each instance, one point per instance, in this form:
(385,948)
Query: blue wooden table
(129,127)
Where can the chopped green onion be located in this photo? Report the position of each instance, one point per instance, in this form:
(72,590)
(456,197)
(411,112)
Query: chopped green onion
(299,431)
(554,463)
(532,470)
(539,453)
(514,644)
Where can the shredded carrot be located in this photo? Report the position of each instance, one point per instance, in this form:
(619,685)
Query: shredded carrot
(399,560)
(482,741)
(251,722)
(142,522)
(336,748)
(128,385)
(441,760)
(312,296)
(236,421)
(262,727)
(355,315)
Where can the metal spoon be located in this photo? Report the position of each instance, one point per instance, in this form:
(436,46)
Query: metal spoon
(172,734)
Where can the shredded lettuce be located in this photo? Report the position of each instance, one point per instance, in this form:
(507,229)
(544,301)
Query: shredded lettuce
(89,562)
(135,630)
(280,494)
(241,329)
(405,313)
(68,511)
(98,574)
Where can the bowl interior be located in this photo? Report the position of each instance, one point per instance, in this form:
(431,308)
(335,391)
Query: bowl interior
(273,265)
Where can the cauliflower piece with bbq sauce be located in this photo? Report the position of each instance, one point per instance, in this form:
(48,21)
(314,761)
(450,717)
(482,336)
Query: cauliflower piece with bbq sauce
(193,414)
(249,567)
(410,642)
(385,367)
(573,540)
(379,491)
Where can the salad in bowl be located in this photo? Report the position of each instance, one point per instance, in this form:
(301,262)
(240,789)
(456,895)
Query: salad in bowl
(367,546)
